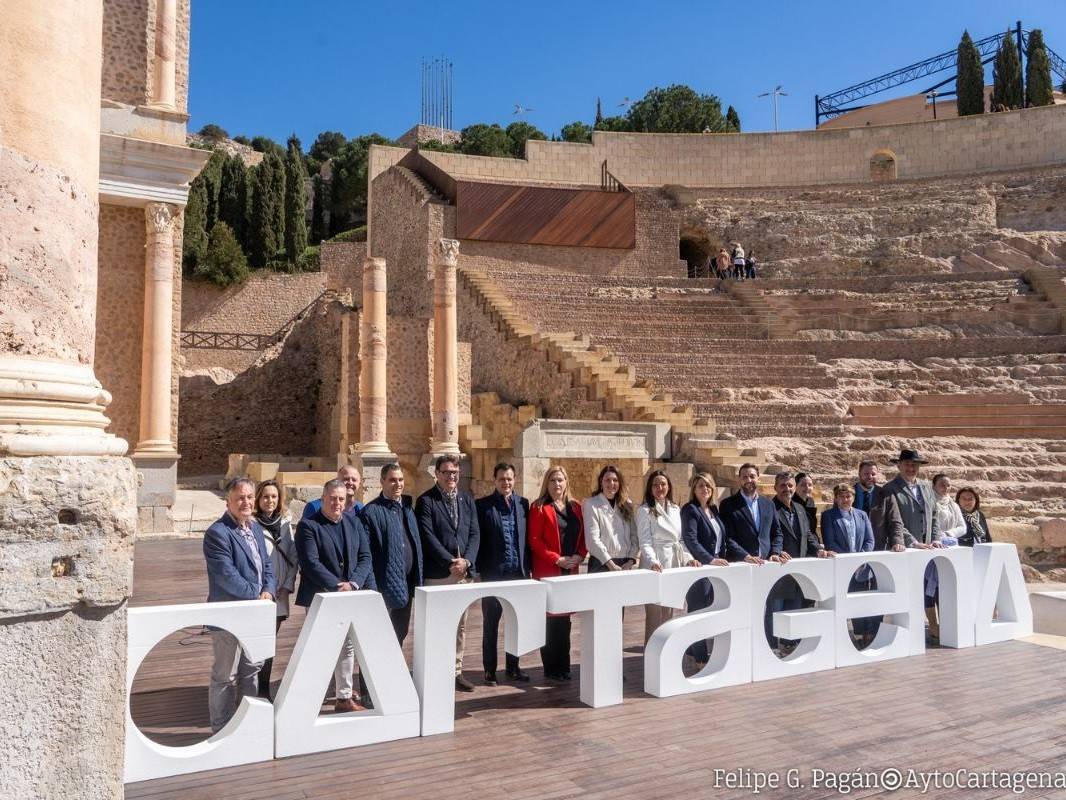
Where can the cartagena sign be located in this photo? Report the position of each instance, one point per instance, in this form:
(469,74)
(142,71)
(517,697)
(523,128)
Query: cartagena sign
(983,599)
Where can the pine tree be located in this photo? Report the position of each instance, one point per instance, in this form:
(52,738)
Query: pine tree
(233,198)
(295,201)
(263,241)
(599,114)
(732,120)
(970,83)
(1039,90)
(194,238)
(1007,76)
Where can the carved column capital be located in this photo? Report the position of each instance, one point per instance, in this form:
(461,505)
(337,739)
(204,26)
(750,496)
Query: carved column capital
(449,252)
(159,218)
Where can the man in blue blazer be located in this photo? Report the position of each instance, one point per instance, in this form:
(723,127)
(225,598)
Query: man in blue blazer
(395,548)
(752,530)
(238,568)
(502,556)
(447,523)
(334,557)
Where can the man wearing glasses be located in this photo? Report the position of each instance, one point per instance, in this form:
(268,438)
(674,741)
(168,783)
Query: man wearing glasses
(447,525)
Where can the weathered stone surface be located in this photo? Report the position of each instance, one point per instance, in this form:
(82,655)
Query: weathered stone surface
(63,680)
(1057,575)
(66,533)
(1032,574)
(1052,530)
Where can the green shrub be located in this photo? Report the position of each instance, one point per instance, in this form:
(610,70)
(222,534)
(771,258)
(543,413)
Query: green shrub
(308,260)
(353,235)
(223,263)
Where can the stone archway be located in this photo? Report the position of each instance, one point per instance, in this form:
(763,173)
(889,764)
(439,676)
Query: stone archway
(694,248)
(883,166)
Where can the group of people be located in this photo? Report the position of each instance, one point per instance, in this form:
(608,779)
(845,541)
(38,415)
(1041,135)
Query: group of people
(735,264)
(447,537)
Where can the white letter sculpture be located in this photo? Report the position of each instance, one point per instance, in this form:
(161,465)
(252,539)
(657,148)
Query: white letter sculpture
(598,600)
(955,578)
(891,599)
(298,727)
(249,736)
(814,627)
(437,612)
(1000,590)
(727,621)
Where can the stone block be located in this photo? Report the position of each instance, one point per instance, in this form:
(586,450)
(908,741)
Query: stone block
(262,470)
(1052,531)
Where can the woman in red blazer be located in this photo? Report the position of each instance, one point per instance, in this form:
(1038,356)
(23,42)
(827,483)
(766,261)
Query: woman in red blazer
(556,537)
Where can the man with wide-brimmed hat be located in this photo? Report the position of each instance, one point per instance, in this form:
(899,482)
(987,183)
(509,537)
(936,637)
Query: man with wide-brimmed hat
(915,500)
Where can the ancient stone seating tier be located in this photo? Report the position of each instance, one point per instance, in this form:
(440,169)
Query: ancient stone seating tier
(999,415)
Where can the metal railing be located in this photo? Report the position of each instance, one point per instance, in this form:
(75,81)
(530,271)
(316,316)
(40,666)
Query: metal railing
(228,340)
(608,182)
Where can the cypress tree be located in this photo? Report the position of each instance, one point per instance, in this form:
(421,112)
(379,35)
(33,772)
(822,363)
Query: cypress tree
(1039,90)
(599,114)
(194,237)
(319,229)
(277,189)
(263,241)
(1007,76)
(732,120)
(295,201)
(970,83)
(211,179)
(233,198)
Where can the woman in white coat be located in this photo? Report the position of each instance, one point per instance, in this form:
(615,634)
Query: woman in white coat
(277,533)
(661,545)
(610,524)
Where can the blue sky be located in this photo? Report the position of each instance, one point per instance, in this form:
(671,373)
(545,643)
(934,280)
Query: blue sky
(273,67)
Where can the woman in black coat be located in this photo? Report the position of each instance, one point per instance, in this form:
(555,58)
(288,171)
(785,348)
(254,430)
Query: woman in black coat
(976,525)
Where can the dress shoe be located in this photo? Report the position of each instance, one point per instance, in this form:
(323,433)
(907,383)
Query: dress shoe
(490,678)
(462,684)
(345,705)
(517,675)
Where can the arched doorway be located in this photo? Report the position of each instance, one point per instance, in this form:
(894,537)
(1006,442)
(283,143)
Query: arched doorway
(694,249)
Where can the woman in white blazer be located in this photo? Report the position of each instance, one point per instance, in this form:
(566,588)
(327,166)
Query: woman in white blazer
(661,545)
(610,524)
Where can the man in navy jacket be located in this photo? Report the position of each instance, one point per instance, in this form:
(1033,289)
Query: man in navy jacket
(752,531)
(395,548)
(334,557)
(238,568)
(502,556)
(447,523)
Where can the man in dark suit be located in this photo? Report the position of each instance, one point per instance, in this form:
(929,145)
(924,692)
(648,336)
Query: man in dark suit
(238,568)
(752,531)
(395,548)
(864,488)
(502,556)
(334,556)
(447,523)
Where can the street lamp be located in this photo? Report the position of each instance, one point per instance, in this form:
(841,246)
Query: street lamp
(932,96)
(775,94)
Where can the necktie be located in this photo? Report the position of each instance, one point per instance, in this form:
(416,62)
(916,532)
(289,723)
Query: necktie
(253,548)
(453,507)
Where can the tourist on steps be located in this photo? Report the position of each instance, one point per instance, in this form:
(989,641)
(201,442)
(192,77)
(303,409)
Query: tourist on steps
(334,554)
(738,262)
(447,523)
(610,524)
(723,266)
(238,568)
(749,266)
(277,532)
(704,535)
(503,555)
(557,547)
(662,545)
(977,530)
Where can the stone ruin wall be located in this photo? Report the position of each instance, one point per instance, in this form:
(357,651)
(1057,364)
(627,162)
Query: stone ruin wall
(129,48)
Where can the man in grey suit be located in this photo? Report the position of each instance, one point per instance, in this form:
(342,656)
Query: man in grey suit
(916,524)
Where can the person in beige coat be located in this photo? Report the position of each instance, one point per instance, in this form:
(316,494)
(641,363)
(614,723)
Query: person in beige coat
(610,524)
(661,544)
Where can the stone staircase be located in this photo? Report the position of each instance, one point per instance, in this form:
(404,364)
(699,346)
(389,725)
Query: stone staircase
(986,416)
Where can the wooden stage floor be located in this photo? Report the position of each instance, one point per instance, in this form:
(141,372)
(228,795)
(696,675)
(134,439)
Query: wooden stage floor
(996,707)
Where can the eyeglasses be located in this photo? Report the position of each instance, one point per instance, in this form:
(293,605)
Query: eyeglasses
(451,473)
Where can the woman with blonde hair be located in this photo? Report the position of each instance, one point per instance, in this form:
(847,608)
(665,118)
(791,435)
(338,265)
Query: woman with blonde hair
(703,533)
(661,543)
(610,524)
(271,514)
(557,546)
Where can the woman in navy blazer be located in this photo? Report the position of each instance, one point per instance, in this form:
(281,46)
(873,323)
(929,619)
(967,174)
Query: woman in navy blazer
(846,529)
(703,532)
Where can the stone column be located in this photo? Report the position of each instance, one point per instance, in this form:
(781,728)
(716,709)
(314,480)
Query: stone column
(445,352)
(156,455)
(164,91)
(67,502)
(373,449)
